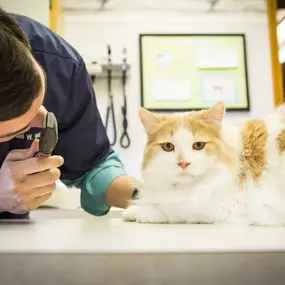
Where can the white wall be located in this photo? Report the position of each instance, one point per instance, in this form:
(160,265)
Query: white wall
(90,34)
(36,9)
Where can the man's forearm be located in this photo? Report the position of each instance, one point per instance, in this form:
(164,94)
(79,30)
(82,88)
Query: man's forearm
(105,186)
(120,192)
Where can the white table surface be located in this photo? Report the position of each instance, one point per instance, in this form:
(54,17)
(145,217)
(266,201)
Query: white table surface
(114,236)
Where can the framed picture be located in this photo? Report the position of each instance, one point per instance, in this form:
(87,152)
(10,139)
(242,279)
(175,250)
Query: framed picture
(181,72)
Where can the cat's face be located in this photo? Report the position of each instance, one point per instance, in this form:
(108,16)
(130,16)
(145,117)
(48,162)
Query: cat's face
(183,147)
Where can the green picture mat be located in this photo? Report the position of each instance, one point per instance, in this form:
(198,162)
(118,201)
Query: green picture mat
(184,50)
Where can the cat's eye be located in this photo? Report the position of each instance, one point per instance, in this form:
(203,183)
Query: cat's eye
(167,146)
(199,145)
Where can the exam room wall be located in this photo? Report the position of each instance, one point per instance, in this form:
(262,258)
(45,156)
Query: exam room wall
(90,34)
(36,9)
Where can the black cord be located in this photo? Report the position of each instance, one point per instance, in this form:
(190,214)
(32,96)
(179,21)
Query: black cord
(125,135)
(125,140)
(110,108)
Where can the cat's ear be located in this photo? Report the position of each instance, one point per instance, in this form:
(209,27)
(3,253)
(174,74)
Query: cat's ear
(216,113)
(147,118)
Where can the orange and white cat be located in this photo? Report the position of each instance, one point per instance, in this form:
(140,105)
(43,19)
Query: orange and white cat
(199,169)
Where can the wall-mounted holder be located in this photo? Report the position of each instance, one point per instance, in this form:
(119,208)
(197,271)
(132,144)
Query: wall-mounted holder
(100,70)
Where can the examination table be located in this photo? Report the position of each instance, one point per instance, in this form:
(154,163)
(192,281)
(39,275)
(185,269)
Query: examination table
(72,247)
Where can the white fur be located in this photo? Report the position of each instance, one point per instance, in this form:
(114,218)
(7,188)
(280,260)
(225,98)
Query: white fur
(208,191)
(266,199)
(64,197)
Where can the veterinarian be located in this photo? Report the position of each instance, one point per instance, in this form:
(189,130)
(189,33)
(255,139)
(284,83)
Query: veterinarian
(40,72)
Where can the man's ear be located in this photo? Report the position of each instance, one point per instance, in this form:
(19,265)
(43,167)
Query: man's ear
(37,122)
(148,119)
(216,113)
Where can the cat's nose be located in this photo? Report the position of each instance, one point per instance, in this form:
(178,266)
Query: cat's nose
(183,164)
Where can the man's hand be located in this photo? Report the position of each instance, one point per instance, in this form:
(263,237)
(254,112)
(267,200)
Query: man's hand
(26,182)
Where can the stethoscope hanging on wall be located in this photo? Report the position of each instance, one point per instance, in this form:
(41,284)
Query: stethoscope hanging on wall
(125,139)
(110,108)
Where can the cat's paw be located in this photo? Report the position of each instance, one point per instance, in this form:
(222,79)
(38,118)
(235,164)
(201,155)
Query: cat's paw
(144,214)
(129,215)
(267,217)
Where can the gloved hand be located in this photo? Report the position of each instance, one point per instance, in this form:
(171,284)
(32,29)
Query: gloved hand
(26,182)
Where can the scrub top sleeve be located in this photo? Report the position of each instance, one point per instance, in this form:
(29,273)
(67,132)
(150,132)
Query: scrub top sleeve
(83,141)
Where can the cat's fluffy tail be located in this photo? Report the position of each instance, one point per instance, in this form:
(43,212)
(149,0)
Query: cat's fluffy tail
(275,147)
(275,122)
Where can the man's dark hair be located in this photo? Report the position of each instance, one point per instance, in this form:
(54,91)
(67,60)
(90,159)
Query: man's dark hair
(20,82)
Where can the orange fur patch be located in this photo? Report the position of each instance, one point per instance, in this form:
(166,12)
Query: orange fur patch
(254,136)
(201,125)
(166,126)
(281,141)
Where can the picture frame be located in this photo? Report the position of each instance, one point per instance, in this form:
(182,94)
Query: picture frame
(184,72)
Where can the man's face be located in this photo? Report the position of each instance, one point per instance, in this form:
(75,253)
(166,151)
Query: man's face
(32,118)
